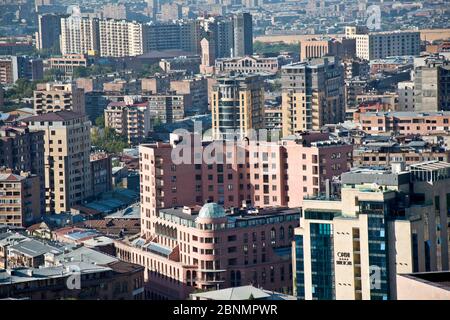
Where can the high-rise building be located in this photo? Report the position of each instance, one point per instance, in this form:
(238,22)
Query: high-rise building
(67,144)
(120,38)
(312,94)
(80,35)
(21,202)
(379,45)
(101,170)
(52,97)
(386,222)
(237,106)
(432,85)
(243,34)
(49,32)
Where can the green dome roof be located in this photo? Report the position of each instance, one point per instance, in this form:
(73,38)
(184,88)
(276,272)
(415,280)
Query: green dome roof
(211,211)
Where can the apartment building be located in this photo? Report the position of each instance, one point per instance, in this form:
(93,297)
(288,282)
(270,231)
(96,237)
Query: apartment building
(354,246)
(379,45)
(13,68)
(167,108)
(129,118)
(66,158)
(101,172)
(53,97)
(247,65)
(406,99)
(49,32)
(79,35)
(237,104)
(319,47)
(120,38)
(403,122)
(264,174)
(20,203)
(205,248)
(23,151)
(432,85)
(312,94)
(195,90)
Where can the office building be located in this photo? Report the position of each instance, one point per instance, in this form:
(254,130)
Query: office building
(53,97)
(312,94)
(67,143)
(237,104)
(243,34)
(379,45)
(386,222)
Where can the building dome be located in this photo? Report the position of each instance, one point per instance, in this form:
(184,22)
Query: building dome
(211,211)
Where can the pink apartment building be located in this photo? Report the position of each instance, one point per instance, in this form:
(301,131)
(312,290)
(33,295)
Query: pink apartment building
(267,174)
(212,249)
(421,123)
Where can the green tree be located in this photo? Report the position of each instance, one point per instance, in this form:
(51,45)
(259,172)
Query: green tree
(100,121)
(108,140)
(274,48)
(149,70)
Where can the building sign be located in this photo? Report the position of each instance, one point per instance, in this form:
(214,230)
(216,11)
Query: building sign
(343,258)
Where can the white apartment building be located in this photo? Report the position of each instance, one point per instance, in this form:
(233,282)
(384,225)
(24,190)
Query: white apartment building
(380,45)
(120,38)
(79,35)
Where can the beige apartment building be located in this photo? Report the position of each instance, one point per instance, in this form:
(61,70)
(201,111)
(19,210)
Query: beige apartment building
(237,104)
(20,202)
(53,97)
(67,164)
(312,94)
(129,118)
(353,247)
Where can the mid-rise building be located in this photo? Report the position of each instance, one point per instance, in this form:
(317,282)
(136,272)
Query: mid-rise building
(67,144)
(312,94)
(130,119)
(21,203)
(406,99)
(269,174)
(13,68)
(317,48)
(23,151)
(432,85)
(379,45)
(167,108)
(386,222)
(67,63)
(237,104)
(53,97)
(403,122)
(196,91)
(101,170)
(208,248)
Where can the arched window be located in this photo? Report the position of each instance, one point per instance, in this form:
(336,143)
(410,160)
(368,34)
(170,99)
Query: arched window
(290,232)
(273,235)
(281,233)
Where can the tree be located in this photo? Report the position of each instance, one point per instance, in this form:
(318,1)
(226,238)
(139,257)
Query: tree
(108,140)
(100,121)
(149,70)
(273,48)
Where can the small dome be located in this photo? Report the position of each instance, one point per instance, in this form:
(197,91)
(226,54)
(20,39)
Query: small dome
(211,211)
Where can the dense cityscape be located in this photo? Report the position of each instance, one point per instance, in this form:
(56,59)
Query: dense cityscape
(224,150)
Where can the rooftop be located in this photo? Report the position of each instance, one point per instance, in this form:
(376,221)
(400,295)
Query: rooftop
(242,293)
(55,116)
